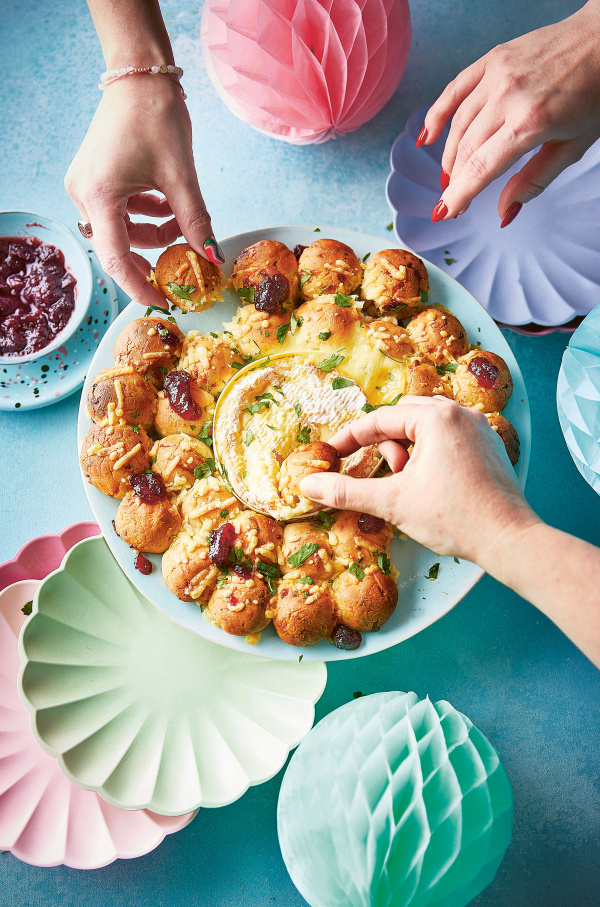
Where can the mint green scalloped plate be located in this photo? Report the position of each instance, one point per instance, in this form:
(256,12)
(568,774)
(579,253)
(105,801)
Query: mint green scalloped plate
(140,710)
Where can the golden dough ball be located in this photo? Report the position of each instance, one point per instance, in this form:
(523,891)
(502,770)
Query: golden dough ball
(208,358)
(389,337)
(395,279)
(149,345)
(187,569)
(260,537)
(110,453)
(422,380)
(304,461)
(366,603)
(207,499)
(238,606)
(438,335)
(121,394)
(147,527)
(254,333)
(321,320)
(299,540)
(508,433)
(304,614)
(359,538)
(482,380)
(187,279)
(271,269)
(330,267)
(183,406)
(176,457)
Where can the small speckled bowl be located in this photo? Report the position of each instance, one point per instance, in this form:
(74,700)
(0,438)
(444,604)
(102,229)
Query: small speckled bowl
(25,225)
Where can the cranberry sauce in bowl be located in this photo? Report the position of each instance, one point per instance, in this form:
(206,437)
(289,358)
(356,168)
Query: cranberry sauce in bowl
(45,286)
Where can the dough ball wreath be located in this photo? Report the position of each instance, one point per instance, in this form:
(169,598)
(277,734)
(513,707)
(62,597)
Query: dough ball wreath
(328,576)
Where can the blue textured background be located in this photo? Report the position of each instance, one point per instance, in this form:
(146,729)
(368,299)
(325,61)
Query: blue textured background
(494,657)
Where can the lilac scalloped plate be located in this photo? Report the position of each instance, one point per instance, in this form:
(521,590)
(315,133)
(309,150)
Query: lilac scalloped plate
(40,556)
(536,276)
(45,819)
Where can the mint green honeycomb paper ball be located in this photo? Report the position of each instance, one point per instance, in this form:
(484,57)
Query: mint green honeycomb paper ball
(394,800)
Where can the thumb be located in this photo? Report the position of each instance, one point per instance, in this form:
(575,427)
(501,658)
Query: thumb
(374,496)
(539,171)
(194,222)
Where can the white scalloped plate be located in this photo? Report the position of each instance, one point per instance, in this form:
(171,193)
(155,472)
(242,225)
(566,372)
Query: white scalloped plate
(45,820)
(543,268)
(421,602)
(143,712)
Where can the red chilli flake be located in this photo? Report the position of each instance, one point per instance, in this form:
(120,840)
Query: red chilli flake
(485,371)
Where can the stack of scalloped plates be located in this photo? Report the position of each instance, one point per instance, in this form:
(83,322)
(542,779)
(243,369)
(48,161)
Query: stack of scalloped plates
(538,275)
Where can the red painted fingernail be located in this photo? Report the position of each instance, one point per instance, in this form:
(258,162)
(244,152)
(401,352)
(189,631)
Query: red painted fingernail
(444,180)
(422,137)
(511,214)
(439,211)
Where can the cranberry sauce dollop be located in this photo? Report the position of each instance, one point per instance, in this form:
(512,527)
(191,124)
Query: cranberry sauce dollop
(368,523)
(270,293)
(37,295)
(148,486)
(220,543)
(298,250)
(242,571)
(143,565)
(344,637)
(484,370)
(169,338)
(178,388)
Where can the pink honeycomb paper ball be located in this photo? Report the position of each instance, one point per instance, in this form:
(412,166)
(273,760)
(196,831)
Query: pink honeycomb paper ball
(305,71)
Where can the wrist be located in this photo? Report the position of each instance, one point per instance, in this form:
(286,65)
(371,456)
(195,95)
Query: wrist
(511,535)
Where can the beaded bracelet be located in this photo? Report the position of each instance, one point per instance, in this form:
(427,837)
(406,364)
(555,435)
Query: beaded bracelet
(164,69)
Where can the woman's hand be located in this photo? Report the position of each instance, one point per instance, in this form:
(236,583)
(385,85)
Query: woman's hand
(540,89)
(456,494)
(140,139)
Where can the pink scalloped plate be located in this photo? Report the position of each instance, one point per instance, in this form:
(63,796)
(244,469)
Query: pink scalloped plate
(45,819)
(537,276)
(40,556)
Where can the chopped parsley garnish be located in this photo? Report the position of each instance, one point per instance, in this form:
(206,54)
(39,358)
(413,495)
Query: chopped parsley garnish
(433,572)
(383,562)
(323,520)
(449,261)
(223,514)
(327,365)
(456,560)
(135,428)
(282,331)
(365,257)
(294,324)
(357,571)
(226,479)
(257,406)
(306,275)
(343,301)
(237,365)
(324,335)
(204,434)
(307,580)
(212,334)
(249,438)
(297,409)
(304,435)
(390,227)
(447,367)
(247,294)
(26,609)
(317,230)
(271,427)
(424,296)
(369,407)
(163,370)
(134,414)
(338,383)
(244,474)
(270,572)
(303,554)
(203,470)
(221,583)
(182,291)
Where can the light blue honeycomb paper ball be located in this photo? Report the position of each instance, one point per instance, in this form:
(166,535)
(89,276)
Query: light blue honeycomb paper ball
(578,398)
(394,800)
